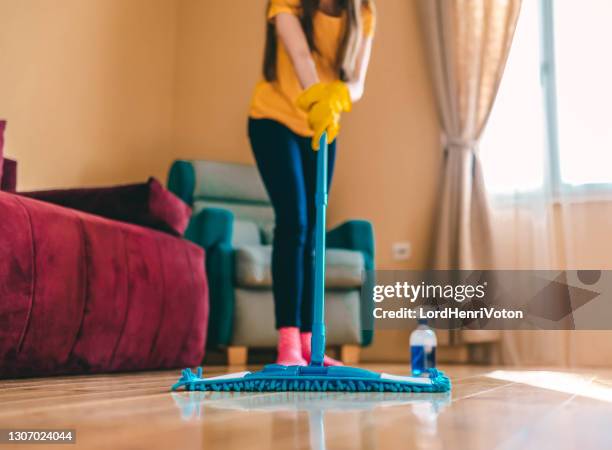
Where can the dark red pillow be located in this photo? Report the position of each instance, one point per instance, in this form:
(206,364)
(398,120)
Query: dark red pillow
(2,126)
(9,175)
(147,204)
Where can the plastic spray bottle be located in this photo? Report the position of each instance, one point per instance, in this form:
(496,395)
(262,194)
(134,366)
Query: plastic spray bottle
(423,344)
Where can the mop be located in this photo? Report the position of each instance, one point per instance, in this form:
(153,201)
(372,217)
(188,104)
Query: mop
(315,376)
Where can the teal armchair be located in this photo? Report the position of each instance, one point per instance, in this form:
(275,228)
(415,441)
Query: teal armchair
(233,221)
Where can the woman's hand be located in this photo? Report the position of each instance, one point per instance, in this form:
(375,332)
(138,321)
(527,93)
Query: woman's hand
(322,117)
(324,102)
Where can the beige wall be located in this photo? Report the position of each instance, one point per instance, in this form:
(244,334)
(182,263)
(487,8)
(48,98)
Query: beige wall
(219,52)
(87,87)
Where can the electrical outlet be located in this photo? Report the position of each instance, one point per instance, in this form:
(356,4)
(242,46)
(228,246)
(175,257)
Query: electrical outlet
(401,251)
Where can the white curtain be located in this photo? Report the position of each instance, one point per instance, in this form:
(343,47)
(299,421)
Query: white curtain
(534,225)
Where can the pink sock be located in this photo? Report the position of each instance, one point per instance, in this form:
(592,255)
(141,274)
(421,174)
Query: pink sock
(306,350)
(289,351)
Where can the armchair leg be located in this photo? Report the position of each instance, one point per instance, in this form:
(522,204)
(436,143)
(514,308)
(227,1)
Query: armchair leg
(237,355)
(349,354)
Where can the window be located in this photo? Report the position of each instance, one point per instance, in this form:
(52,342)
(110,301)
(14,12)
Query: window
(583,34)
(550,127)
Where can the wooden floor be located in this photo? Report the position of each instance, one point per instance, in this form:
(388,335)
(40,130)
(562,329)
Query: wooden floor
(488,408)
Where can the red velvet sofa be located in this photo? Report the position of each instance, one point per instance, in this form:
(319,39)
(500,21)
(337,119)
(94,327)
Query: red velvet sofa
(80,293)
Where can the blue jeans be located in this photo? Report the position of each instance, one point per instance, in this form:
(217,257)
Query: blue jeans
(288,168)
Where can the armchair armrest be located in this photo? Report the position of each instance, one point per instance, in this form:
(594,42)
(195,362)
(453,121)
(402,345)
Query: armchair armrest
(220,272)
(354,235)
(358,235)
(211,227)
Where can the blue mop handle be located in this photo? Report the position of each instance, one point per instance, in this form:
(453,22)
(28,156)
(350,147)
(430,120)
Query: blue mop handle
(318,323)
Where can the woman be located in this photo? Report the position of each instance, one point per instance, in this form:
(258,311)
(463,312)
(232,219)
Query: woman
(316,58)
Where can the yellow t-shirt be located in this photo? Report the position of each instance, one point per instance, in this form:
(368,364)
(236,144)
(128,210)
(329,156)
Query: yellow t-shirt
(276,100)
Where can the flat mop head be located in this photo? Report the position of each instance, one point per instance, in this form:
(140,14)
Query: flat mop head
(275,377)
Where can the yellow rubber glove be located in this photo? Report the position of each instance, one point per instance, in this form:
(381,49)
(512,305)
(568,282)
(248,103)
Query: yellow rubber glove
(324,102)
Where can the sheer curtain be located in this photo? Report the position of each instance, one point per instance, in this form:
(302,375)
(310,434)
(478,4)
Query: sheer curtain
(546,154)
(515,158)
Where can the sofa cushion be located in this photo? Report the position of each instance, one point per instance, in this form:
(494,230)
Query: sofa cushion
(245,232)
(344,268)
(254,318)
(261,215)
(228,182)
(147,204)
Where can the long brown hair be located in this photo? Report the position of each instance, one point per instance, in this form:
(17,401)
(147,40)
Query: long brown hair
(349,45)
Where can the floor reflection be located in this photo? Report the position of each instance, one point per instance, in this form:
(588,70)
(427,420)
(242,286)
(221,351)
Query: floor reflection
(569,383)
(424,407)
